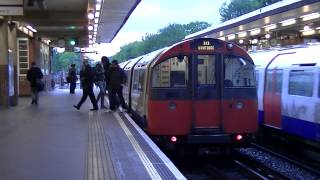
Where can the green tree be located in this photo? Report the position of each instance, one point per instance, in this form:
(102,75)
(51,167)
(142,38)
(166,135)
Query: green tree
(237,8)
(62,61)
(166,36)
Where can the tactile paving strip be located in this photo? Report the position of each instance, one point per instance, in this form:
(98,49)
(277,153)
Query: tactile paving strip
(159,165)
(99,165)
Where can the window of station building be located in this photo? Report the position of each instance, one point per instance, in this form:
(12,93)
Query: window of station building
(206,69)
(172,72)
(301,82)
(238,72)
(274,80)
(23,56)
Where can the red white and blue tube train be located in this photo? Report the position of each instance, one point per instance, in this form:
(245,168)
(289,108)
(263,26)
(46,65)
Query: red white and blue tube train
(289,93)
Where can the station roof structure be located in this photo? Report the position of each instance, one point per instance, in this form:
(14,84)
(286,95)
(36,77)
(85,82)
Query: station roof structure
(61,19)
(288,15)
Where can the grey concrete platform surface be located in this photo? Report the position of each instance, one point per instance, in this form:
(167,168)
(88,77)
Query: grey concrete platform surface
(54,141)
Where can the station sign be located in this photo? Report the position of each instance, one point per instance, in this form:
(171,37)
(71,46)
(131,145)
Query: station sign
(11,7)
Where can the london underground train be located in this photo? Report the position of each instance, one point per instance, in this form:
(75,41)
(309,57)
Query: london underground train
(289,93)
(199,91)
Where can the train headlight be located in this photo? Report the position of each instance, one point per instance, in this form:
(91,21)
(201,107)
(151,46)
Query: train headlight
(239,105)
(172,106)
(229,46)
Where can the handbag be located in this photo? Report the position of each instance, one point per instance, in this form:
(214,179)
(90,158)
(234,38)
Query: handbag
(40,84)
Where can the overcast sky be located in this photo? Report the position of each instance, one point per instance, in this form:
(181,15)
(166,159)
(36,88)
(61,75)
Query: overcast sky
(152,15)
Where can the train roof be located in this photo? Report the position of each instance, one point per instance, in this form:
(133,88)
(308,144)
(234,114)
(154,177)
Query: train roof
(285,57)
(146,59)
(131,63)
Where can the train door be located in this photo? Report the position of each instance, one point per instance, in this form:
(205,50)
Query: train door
(205,93)
(272,98)
(238,94)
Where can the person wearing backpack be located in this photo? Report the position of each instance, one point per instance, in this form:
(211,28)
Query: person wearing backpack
(100,82)
(87,77)
(115,78)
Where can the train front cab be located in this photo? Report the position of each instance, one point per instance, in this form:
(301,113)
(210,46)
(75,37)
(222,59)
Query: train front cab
(206,91)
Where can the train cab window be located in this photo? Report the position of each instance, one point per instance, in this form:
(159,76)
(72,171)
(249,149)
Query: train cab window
(172,72)
(301,82)
(206,69)
(238,72)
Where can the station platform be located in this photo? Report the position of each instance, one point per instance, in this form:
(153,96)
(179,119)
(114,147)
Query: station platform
(54,141)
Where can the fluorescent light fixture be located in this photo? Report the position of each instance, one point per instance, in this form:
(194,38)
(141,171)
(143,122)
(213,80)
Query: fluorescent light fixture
(241,41)
(96,20)
(270,27)
(231,36)
(96,29)
(221,33)
(310,16)
(90,27)
(90,15)
(90,41)
(288,22)
(222,38)
(98,7)
(95,32)
(95,25)
(31,28)
(242,34)
(254,41)
(240,27)
(89,36)
(255,31)
(318,27)
(267,20)
(308,32)
(97,14)
(267,36)
(306,28)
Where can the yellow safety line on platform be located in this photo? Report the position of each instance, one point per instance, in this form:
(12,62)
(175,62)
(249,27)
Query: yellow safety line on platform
(145,160)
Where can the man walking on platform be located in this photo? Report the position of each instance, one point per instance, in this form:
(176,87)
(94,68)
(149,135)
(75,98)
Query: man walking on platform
(34,76)
(115,78)
(86,77)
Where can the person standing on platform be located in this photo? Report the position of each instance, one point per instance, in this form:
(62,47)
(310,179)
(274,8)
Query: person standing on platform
(86,77)
(34,76)
(72,78)
(100,82)
(105,63)
(115,78)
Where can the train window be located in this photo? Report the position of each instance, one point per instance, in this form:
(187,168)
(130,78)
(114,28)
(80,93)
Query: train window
(206,69)
(239,72)
(274,80)
(301,82)
(135,81)
(171,73)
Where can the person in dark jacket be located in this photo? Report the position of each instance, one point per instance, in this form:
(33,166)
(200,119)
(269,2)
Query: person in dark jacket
(86,77)
(72,78)
(105,63)
(34,76)
(101,83)
(115,78)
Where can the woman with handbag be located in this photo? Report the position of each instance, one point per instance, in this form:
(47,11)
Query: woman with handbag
(34,76)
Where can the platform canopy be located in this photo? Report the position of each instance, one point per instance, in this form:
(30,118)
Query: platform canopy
(60,20)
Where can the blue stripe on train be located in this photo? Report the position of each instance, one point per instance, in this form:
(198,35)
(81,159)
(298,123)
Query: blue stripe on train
(300,127)
(297,127)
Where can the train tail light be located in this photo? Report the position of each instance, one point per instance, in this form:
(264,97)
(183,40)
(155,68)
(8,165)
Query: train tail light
(173,139)
(239,137)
